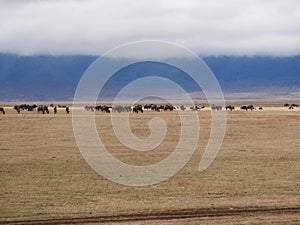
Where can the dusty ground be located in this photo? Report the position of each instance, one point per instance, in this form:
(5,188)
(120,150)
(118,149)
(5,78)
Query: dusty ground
(43,175)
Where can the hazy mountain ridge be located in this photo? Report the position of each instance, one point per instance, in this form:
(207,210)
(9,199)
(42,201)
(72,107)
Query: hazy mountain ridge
(255,73)
(43,78)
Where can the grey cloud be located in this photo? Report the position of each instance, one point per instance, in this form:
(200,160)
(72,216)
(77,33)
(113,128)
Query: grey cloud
(215,27)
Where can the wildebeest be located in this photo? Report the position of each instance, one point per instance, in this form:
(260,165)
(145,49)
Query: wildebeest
(153,107)
(27,107)
(182,107)
(249,107)
(55,110)
(148,106)
(229,107)
(2,110)
(31,107)
(216,107)
(103,108)
(137,109)
(67,110)
(89,108)
(43,108)
(168,107)
(125,108)
(260,108)
(106,109)
(195,108)
(98,107)
(120,108)
(17,108)
(291,105)
(117,108)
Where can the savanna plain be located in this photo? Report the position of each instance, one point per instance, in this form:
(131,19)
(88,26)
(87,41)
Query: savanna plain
(44,176)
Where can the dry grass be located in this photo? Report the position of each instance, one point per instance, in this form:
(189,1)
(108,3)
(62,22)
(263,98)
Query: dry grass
(42,173)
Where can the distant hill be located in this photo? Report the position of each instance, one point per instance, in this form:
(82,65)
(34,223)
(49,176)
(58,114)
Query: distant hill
(50,78)
(256,73)
(40,77)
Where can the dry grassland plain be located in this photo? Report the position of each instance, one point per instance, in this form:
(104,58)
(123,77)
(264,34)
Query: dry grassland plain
(43,174)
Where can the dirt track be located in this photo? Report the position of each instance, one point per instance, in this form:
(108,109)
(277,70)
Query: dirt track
(165,215)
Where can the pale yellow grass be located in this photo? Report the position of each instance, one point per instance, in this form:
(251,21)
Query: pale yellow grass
(42,173)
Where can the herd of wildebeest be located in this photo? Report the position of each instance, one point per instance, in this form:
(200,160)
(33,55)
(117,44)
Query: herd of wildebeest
(44,109)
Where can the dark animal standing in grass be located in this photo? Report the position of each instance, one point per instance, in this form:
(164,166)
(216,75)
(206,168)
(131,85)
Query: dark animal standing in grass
(27,107)
(249,107)
(137,109)
(67,110)
(40,109)
(196,108)
(31,107)
(17,108)
(182,107)
(291,106)
(2,110)
(103,108)
(152,107)
(229,107)
(98,107)
(147,106)
(127,108)
(43,108)
(118,108)
(89,108)
(106,109)
(168,107)
(55,110)
(216,107)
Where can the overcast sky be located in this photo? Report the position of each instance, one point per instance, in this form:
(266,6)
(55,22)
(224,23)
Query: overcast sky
(209,27)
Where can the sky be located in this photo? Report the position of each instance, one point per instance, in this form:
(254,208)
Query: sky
(208,27)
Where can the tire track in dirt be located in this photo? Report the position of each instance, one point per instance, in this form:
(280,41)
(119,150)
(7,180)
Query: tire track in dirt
(163,215)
